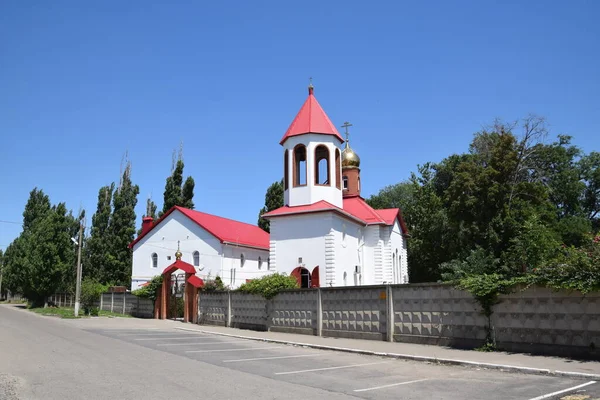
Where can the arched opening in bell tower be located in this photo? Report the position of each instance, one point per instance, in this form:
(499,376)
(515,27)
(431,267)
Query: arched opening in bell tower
(322,165)
(300,165)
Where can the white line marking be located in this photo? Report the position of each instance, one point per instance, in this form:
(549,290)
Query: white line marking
(167,338)
(272,358)
(392,385)
(214,351)
(201,343)
(546,396)
(154,334)
(330,368)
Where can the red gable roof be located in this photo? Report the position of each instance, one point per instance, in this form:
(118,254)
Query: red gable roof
(195,281)
(355,208)
(178,264)
(226,230)
(311,119)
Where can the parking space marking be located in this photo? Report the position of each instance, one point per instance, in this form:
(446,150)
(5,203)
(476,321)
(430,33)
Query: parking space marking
(331,368)
(220,350)
(167,338)
(272,358)
(201,343)
(547,396)
(153,334)
(391,385)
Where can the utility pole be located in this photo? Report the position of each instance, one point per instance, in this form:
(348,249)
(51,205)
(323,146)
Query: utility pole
(1,271)
(78,284)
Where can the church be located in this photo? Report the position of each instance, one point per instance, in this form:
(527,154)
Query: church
(325,235)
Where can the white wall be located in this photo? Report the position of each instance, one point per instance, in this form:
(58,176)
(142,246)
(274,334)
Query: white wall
(398,244)
(234,273)
(310,193)
(215,258)
(348,240)
(299,236)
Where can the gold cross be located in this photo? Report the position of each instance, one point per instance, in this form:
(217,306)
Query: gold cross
(346,126)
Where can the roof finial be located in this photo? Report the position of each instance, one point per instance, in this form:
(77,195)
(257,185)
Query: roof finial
(346,126)
(178,252)
(311,88)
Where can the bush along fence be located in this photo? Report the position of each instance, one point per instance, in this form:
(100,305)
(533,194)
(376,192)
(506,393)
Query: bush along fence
(536,320)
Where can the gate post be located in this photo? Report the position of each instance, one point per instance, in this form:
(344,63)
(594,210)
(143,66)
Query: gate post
(112,300)
(124,299)
(229,309)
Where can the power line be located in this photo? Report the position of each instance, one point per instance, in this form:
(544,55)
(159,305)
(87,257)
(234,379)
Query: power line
(11,222)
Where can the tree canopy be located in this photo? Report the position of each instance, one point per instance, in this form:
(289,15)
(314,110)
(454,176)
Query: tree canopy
(273,200)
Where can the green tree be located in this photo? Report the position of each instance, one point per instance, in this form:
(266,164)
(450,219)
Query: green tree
(178,193)
(273,200)
(590,174)
(37,207)
(121,231)
(98,244)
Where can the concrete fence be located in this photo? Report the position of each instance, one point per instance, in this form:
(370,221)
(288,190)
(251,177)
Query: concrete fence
(127,303)
(536,320)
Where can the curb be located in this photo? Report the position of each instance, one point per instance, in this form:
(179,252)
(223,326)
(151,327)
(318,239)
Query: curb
(444,361)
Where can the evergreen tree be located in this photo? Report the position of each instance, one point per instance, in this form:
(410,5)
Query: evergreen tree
(121,231)
(150,212)
(37,207)
(273,200)
(175,194)
(98,245)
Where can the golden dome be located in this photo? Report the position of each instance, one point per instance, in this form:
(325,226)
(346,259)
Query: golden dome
(349,158)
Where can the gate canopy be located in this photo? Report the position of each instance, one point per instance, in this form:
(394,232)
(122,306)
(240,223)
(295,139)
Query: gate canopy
(182,265)
(195,281)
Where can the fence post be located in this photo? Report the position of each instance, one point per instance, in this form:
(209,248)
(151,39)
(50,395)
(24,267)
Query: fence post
(229,309)
(319,313)
(390,314)
(101,300)
(124,299)
(112,300)
(70,300)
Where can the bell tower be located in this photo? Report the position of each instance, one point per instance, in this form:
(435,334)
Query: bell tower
(350,168)
(312,157)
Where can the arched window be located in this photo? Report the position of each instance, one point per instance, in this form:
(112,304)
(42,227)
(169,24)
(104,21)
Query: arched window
(345,179)
(154,260)
(242,260)
(268,263)
(338,169)
(322,165)
(196,258)
(259,262)
(286,170)
(300,165)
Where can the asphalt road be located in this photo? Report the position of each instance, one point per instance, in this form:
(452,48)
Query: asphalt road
(47,358)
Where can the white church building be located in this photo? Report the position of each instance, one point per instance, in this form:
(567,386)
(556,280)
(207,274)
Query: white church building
(325,235)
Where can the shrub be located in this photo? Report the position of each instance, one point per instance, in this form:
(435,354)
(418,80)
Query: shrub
(269,286)
(94,311)
(214,285)
(91,290)
(150,290)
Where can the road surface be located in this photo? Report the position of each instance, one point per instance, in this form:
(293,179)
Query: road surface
(47,358)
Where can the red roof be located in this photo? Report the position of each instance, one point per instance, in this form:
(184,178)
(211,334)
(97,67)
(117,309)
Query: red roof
(195,281)
(311,119)
(182,265)
(226,230)
(355,208)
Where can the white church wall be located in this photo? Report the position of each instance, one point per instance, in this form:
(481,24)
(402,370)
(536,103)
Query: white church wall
(348,238)
(374,246)
(162,240)
(398,244)
(294,237)
(235,272)
(312,193)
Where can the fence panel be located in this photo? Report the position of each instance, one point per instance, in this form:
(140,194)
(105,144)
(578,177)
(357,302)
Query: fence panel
(248,311)
(294,311)
(213,308)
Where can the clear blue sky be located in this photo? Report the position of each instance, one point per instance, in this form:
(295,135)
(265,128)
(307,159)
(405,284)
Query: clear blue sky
(83,82)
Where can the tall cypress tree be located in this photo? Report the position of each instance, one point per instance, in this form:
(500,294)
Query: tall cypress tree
(121,231)
(273,200)
(175,194)
(97,245)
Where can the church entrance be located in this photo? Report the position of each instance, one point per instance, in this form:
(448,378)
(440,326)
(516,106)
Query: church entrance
(176,301)
(305,278)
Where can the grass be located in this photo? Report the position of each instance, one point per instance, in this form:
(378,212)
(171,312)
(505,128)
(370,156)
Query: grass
(68,313)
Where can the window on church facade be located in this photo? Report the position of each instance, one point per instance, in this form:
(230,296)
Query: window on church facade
(338,169)
(196,258)
(259,262)
(242,260)
(286,170)
(154,260)
(322,165)
(345,183)
(300,165)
